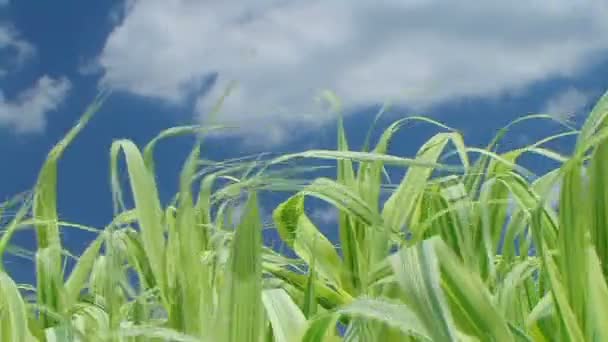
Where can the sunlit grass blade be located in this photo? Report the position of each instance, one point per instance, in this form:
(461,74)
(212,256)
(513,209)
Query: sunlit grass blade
(418,274)
(598,298)
(80,274)
(50,285)
(598,172)
(399,207)
(240,316)
(287,320)
(148,209)
(187,238)
(299,233)
(574,224)
(595,121)
(571,331)
(13,314)
(472,305)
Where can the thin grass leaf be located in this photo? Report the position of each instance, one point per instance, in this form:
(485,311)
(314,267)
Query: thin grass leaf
(287,320)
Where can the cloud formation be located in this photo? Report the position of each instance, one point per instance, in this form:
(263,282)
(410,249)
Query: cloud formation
(568,103)
(26,113)
(16,51)
(417,52)
(325,215)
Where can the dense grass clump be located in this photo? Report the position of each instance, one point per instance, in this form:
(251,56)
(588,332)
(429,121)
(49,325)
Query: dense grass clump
(471,251)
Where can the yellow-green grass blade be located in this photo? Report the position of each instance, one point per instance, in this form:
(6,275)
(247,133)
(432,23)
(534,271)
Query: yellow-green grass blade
(572,331)
(150,333)
(328,297)
(309,302)
(391,314)
(11,229)
(574,224)
(50,285)
(543,310)
(136,257)
(527,202)
(594,122)
(398,208)
(369,157)
(287,320)
(598,194)
(417,272)
(203,208)
(476,175)
(185,314)
(89,322)
(347,233)
(81,271)
(434,217)
(299,233)
(463,219)
(509,289)
(598,298)
(148,151)
(472,305)
(344,199)
(147,206)
(50,289)
(13,313)
(241,314)
(322,329)
(45,193)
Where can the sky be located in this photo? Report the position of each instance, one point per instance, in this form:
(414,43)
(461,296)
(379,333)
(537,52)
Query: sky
(473,65)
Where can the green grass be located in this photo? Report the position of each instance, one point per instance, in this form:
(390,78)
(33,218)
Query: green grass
(200,278)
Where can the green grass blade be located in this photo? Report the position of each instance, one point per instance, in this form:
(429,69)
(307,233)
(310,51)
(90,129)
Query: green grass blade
(417,273)
(13,314)
(50,285)
(398,208)
(287,320)
(472,303)
(148,209)
(296,229)
(80,274)
(598,298)
(241,313)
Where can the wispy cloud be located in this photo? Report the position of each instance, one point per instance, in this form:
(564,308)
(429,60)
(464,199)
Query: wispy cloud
(568,103)
(16,50)
(27,112)
(284,52)
(325,215)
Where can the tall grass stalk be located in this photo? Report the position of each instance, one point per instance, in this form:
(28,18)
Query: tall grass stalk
(473,251)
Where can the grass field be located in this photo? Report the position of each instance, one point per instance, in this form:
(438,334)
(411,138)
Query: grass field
(471,250)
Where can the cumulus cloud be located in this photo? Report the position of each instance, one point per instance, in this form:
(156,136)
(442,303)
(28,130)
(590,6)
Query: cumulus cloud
(27,113)
(417,53)
(15,50)
(568,103)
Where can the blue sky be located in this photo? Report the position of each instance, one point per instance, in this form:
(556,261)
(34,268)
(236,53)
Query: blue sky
(474,66)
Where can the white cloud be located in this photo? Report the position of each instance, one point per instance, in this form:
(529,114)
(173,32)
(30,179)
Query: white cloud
(284,52)
(568,103)
(18,49)
(26,114)
(325,215)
